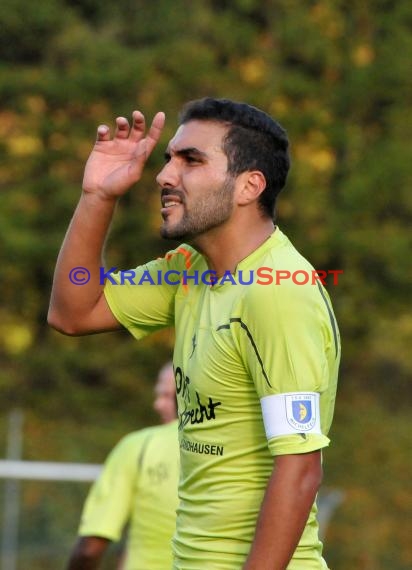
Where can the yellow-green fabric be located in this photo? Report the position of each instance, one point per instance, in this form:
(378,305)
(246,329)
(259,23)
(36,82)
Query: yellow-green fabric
(235,344)
(138,487)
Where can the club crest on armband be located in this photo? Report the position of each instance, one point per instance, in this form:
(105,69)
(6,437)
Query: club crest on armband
(300,411)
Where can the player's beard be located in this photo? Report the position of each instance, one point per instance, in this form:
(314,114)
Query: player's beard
(211,209)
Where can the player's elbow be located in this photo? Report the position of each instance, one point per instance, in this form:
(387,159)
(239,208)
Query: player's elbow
(312,479)
(317,479)
(62,324)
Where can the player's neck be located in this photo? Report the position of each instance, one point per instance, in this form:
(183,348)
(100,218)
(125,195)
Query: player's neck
(226,246)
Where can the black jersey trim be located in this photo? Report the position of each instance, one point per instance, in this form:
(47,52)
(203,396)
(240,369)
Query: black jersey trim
(252,342)
(332,319)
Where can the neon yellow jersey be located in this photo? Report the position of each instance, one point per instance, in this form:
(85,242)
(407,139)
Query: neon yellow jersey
(256,371)
(138,486)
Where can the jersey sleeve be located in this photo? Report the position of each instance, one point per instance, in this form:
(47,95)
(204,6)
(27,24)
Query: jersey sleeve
(109,503)
(285,341)
(142,299)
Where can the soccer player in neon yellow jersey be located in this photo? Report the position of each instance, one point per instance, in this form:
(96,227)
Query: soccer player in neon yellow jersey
(255,364)
(137,488)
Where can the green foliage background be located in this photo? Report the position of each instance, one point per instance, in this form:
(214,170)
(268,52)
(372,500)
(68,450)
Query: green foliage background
(337,75)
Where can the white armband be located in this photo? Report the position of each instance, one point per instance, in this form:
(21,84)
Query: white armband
(291,413)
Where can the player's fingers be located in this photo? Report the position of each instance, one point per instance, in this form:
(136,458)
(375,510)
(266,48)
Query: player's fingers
(153,135)
(138,126)
(155,131)
(122,128)
(103,133)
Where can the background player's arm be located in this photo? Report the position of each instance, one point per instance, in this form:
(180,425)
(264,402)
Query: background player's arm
(88,553)
(289,496)
(113,166)
(106,511)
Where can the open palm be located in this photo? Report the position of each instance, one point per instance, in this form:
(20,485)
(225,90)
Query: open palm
(117,163)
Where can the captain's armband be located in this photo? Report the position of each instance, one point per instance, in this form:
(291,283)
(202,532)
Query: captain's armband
(291,413)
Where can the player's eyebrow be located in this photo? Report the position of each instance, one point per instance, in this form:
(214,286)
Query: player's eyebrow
(193,152)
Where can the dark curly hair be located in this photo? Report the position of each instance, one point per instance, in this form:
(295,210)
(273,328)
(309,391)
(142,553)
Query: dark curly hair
(254,141)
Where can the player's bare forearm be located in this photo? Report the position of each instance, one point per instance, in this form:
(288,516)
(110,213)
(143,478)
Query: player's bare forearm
(83,564)
(88,553)
(77,288)
(77,303)
(289,497)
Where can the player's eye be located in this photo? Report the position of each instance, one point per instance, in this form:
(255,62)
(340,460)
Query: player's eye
(190,159)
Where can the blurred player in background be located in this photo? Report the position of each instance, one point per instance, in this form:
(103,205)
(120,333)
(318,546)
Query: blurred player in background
(137,488)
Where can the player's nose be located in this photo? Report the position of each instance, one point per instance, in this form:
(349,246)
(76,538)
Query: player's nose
(168,177)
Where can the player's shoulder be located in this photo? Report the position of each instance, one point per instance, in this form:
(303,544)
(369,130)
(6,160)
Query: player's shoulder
(132,439)
(283,255)
(279,290)
(152,431)
(184,256)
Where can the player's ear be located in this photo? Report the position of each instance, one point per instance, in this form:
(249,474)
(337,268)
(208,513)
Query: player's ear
(252,184)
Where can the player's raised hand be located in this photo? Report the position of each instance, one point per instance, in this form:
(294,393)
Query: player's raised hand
(115,164)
